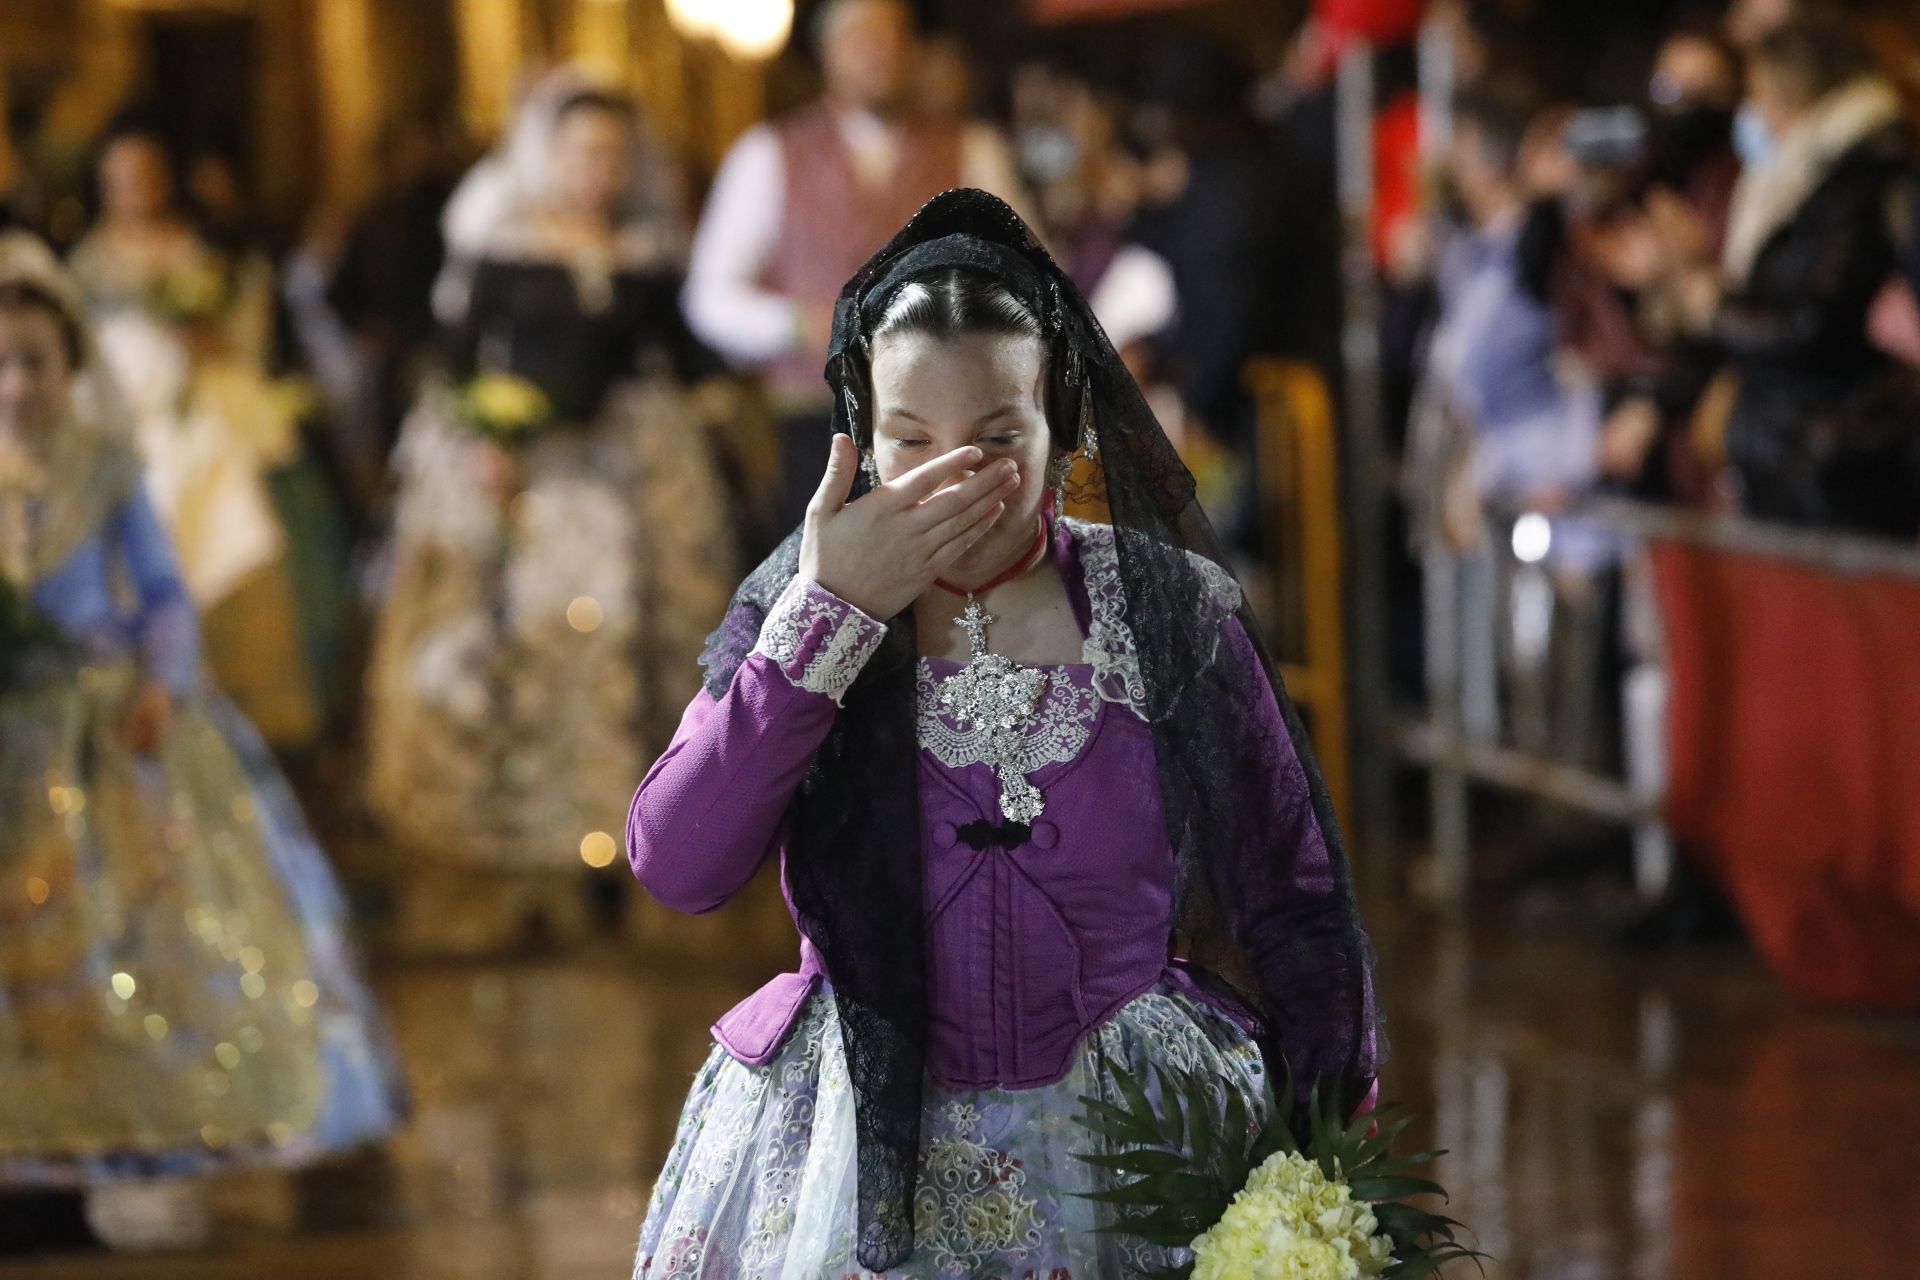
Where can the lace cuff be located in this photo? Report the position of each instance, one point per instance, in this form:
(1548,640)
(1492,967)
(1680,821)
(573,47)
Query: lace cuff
(819,641)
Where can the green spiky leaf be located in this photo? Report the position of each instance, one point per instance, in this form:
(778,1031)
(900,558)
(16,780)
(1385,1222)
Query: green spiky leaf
(1411,1224)
(1392,1125)
(1136,1097)
(1429,1262)
(1140,1160)
(1159,1189)
(1384,1163)
(1172,1225)
(1173,1120)
(1372,1188)
(1118,1124)
(1234,1150)
(1212,1139)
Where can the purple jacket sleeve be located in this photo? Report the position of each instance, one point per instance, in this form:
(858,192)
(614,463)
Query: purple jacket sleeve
(713,806)
(1295,929)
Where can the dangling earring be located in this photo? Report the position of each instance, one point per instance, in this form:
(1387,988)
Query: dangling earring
(1089,438)
(1057,472)
(851,403)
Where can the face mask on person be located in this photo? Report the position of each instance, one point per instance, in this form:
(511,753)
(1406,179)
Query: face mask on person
(1679,141)
(1047,153)
(1751,137)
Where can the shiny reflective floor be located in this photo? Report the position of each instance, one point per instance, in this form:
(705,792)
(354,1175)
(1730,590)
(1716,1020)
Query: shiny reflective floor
(1664,1117)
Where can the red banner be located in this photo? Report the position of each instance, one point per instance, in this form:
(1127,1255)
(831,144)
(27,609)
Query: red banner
(1380,22)
(1794,732)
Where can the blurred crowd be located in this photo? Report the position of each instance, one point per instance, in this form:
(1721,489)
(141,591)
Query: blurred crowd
(1704,297)
(463,477)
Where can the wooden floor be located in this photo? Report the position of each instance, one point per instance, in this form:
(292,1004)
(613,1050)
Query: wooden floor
(1660,1118)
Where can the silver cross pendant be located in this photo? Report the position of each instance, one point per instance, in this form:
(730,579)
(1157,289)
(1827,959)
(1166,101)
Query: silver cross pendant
(992,696)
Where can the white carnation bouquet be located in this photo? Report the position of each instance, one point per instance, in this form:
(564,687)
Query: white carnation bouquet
(1260,1201)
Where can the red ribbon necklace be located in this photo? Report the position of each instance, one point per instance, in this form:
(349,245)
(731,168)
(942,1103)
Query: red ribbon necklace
(1026,561)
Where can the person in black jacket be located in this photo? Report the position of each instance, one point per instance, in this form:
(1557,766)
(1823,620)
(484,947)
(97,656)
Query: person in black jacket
(1823,421)
(1250,231)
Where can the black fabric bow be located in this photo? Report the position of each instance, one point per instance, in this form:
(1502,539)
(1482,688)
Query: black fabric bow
(995,835)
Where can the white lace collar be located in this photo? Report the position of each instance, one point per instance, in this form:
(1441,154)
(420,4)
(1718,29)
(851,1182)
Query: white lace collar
(1109,647)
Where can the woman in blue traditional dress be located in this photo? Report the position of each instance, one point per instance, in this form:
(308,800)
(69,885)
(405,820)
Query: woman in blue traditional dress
(176,990)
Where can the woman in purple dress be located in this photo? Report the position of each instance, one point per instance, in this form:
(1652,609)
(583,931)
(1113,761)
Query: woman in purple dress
(1044,811)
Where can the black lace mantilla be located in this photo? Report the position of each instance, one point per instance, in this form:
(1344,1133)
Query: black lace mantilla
(853,858)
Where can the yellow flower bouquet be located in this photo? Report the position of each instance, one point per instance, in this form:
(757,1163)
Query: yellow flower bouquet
(505,407)
(196,293)
(1292,1219)
(1260,1201)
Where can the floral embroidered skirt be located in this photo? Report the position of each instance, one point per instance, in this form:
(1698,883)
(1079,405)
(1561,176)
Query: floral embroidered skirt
(177,991)
(540,634)
(760,1181)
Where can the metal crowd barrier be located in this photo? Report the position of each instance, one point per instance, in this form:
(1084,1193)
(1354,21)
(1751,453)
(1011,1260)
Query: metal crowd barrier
(1457,756)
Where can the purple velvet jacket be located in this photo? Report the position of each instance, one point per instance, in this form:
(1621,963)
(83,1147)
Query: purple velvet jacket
(1029,948)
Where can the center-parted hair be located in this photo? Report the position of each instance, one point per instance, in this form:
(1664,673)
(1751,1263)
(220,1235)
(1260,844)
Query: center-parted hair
(954,303)
(951,302)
